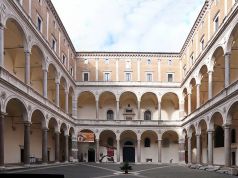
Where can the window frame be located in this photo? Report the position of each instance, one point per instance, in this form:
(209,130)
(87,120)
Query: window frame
(37,23)
(83,78)
(108,78)
(149,79)
(168,77)
(130,78)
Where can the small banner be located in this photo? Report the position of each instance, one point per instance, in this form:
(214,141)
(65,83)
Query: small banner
(86,137)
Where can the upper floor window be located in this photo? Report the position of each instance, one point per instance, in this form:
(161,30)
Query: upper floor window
(106,61)
(71,71)
(128,76)
(64,59)
(149,77)
(169,61)
(20,1)
(202,43)
(53,44)
(170,77)
(107,76)
(128,64)
(85,61)
(147,115)
(147,142)
(184,70)
(148,61)
(216,23)
(85,76)
(39,23)
(192,59)
(109,115)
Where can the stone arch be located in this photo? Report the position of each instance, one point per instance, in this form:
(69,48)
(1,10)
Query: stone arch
(39,114)
(51,82)
(70,100)
(170,106)
(53,123)
(185,95)
(193,87)
(63,89)
(149,102)
(107,101)
(203,75)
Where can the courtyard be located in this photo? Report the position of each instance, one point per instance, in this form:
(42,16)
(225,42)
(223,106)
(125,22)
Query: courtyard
(93,170)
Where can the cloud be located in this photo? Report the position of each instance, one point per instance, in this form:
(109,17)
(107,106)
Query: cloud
(128,25)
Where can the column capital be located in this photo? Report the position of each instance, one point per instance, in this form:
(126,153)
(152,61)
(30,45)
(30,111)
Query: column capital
(210,130)
(198,134)
(227,126)
(45,129)
(159,139)
(27,123)
(2,26)
(227,54)
(3,115)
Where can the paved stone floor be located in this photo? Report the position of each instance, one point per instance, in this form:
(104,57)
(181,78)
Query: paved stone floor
(93,170)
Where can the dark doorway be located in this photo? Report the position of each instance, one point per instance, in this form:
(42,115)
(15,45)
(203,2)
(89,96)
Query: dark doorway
(48,154)
(233,158)
(91,155)
(129,152)
(22,155)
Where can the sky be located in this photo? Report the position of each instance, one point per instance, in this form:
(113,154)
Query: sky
(128,25)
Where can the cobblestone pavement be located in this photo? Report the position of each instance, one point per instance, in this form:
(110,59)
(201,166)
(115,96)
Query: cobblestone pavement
(93,170)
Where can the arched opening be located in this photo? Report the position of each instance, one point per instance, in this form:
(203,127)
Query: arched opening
(14,131)
(62,93)
(219,151)
(51,83)
(170,147)
(37,125)
(129,152)
(193,87)
(36,75)
(108,146)
(170,107)
(63,140)
(204,85)
(233,40)
(53,128)
(110,115)
(14,53)
(107,106)
(86,106)
(149,146)
(129,106)
(204,140)
(232,118)
(87,146)
(149,106)
(218,75)
(185,95)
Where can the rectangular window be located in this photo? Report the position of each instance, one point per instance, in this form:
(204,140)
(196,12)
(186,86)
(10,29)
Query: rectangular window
(202,43)
(170,62)
(216,23)
(107,76)
(149,77)
(85,76)
(71,71)
(54,44)
(191,59)
(39,23)
(170,77)
(63,59)
(128,76)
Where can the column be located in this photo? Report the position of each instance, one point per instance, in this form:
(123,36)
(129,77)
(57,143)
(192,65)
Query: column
(66,101)
(138,151)
(181,109)
(27,143)
(210,147)
(97,150)
(182,151)
(189,151)
(227,145)
(159,150)
(66,148)
(75,149)
(118,150)
(27,68)
(159,110)
(198,95)
(138,110)
(189,103)
(97,109)
(44,145)
(198,144)
(2,139)
(1,45)
(227,57)
(57,93)
(209,85)
(74,106)
(57,145)
(30,8)
(45,81)
(117,111)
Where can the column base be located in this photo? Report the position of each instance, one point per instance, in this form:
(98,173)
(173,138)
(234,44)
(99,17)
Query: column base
(2,168)
(27,165)
(57,162)
(44,163)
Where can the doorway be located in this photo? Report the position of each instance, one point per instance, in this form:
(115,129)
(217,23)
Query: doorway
(91,155)
(129,152)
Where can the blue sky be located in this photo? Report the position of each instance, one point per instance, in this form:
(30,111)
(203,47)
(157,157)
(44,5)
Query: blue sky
(128,25)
